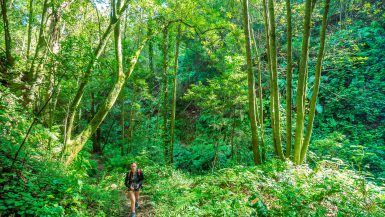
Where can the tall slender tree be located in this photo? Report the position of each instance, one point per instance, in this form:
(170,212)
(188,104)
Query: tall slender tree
(301,84)
(30,21)
(313,100)
(289,79)
(172,123)
(165,92)
(151,62)
(260,95)
(39,47)
(271,101)
(274,79)
(122,123)
(131,122)
(7,34)
(251,86)
(96,146)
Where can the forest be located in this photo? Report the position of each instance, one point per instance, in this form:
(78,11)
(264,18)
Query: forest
(228,107)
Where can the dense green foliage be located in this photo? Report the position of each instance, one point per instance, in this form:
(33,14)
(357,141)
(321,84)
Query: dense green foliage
(93,186)
(357,81)
(274,189)
(213,171)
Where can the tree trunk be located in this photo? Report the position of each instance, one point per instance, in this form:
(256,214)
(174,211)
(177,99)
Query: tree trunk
(233,125)
(30,77)
(304,96)
(275,89)
(251,86)
(84,80)
(313,100)
(35,80)
(215,160)
(39,80)
(132,121)
(96,142)
(151,64)
(53,102)
(96,146)
(99,22)
(107,137)
(301,83)
(7,35)
(172,124)
(289,70)
(267,35)
(260,113)
(54,39)
(78,143)
(165,92)
(52,109)
(30,21)
(156,133)
(123,127)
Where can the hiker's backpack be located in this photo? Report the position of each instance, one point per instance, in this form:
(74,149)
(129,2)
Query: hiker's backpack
(130,173)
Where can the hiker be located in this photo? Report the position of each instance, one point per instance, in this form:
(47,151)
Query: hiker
(133,182)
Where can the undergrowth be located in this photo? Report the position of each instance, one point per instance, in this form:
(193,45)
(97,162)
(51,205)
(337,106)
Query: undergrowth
(40,185)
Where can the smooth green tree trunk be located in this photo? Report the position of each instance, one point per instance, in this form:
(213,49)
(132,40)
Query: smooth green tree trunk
(165,94)
(251,86)
(274,81)
(172,122)
(313,100)
(29,34)
(271,101)
(260,96)
(122,124)
(132,120)
(7,34)
(289,79)
(301,84)
(75,102)
(30,74)
(76,145)
(96,147)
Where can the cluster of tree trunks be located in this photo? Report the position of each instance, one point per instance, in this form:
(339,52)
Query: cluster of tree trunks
(301,141)
(73,144)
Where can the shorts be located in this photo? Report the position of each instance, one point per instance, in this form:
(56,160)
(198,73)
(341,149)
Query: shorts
(136,189)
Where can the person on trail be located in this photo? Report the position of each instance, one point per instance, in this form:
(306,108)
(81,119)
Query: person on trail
(133,182)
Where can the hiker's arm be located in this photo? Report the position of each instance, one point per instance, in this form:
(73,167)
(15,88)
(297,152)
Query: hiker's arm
(127,181)
(141,177)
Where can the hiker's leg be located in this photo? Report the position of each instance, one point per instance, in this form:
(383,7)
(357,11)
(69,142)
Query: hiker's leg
(137,196)
(132,198)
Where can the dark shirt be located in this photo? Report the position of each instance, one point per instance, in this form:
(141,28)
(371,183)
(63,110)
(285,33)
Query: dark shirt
(134,179)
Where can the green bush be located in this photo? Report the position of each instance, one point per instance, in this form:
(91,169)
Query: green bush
(273,189)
